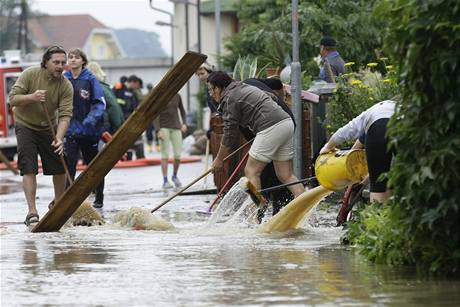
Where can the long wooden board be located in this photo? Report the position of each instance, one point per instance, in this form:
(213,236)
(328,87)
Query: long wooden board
(134,126)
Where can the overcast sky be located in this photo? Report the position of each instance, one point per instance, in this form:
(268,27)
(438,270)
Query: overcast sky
(115,14)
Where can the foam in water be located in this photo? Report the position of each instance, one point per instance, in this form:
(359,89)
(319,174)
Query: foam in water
(140,219)
(85,215)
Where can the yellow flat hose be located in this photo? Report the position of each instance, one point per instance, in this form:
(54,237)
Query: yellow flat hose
(293,214)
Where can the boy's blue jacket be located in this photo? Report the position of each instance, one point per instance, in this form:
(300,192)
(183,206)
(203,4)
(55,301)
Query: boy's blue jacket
(88,106)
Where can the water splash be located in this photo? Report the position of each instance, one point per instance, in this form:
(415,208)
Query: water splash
(235,210)
(230,204)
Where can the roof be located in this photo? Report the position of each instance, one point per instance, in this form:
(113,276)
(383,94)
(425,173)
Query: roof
(226,6)
(65,30)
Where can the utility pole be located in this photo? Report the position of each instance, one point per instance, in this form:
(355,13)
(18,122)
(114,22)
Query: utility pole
(295,92)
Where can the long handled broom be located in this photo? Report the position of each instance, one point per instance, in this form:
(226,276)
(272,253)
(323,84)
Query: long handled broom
(61,156)
(199,178)
(230,179)
(86,214)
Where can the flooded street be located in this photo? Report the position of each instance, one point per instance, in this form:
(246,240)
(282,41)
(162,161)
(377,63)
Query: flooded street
(195,264)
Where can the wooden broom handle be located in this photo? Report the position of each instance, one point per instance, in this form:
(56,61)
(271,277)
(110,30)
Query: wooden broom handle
(199,178)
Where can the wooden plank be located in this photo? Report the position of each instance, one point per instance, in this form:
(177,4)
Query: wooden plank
(134,126)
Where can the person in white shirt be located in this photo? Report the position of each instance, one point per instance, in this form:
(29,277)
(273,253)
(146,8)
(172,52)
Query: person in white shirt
(372,124)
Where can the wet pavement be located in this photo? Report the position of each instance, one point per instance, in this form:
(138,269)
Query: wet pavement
(196,264)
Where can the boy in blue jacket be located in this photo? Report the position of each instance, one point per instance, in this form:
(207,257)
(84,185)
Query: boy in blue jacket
(87,123)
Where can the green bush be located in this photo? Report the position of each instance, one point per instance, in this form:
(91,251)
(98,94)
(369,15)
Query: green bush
(424,214)
(375,229)
(356,92)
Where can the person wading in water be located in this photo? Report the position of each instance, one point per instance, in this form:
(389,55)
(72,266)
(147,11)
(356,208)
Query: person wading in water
(247,106)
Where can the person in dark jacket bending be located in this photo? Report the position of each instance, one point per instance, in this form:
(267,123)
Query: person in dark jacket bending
(87,123)
(282,196)
(247,106)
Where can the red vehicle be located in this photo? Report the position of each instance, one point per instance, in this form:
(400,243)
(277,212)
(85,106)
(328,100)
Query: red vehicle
(11,67)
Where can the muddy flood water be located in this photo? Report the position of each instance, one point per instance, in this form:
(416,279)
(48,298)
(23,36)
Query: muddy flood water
(198,263)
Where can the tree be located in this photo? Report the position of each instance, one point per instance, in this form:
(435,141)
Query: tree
(421,224)
(13,25)
(263,28)
(266,30)
(9,23)
(425,38)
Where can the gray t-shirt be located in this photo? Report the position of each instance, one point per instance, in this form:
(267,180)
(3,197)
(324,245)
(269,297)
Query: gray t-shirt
(247,106)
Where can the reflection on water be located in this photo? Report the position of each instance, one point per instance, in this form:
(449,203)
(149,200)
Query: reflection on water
(68,258)
(202,266)
(8,186)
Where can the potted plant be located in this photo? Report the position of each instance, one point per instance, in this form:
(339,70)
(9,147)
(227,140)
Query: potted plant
(277,59)
(245,67)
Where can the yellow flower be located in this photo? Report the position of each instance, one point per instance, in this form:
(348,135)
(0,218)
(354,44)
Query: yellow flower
(372,64)
(356,82)
(348,64)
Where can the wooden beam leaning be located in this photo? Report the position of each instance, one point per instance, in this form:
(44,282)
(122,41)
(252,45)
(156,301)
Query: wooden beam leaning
(133,127)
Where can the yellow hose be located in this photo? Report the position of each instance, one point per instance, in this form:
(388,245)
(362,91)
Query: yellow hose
(292,216)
